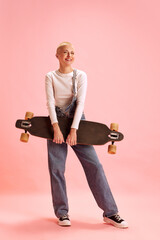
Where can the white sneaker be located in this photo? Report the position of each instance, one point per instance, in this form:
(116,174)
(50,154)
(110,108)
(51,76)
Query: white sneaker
(64,221)
(116,221)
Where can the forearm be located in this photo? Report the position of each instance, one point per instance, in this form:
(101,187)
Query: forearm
(81,95)
(77,115)
(50,99)
(55,126)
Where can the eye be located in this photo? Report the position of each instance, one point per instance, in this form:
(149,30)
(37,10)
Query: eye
(67,52)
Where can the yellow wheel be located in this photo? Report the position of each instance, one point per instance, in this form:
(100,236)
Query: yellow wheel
(28,115)
(112,149)
(114,126)
(24,137)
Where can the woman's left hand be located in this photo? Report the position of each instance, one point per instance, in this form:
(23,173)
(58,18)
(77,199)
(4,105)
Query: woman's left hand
(72,137)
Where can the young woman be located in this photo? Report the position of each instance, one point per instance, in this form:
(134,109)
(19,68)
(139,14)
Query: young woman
(65,93)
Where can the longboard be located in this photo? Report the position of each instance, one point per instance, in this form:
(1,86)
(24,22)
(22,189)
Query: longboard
(88,133)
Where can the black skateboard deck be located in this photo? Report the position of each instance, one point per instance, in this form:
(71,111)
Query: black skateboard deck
(88,133)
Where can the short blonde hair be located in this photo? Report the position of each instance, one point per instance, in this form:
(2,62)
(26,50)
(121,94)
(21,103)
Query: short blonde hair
(61,45)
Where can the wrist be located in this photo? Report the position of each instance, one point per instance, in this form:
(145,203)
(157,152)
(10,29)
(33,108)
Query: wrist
(73,130)
(55,126)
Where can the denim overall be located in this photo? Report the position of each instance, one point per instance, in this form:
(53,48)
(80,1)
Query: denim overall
(57,154)
(70,110)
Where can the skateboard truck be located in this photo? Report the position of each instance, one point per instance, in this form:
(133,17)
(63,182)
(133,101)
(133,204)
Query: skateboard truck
(26,124)
(114,136)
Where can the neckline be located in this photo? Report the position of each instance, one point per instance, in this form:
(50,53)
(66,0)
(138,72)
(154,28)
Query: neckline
(64,74)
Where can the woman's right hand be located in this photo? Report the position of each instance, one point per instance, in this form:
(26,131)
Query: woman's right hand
(58,136)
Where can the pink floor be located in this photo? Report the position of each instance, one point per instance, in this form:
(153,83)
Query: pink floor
(31,217)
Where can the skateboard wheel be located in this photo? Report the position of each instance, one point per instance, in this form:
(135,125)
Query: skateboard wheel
(24,137)
(28,115)
(114,126)
(112,149)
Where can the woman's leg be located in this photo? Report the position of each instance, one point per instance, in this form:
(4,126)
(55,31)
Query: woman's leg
(96,178)
(57,154)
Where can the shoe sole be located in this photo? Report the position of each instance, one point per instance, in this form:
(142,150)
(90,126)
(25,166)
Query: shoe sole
(64,223)
(118,225)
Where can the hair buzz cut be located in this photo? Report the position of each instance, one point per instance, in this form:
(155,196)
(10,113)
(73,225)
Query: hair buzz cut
(62,44)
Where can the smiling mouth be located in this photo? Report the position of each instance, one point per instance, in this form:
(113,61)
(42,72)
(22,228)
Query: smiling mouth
(68,59)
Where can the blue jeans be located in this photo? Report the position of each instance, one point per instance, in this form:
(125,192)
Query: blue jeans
(94,172)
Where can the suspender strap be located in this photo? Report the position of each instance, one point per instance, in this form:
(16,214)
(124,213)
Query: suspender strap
(73,81)
(73,90)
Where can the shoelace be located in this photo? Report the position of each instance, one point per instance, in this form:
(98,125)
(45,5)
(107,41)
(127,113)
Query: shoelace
(117,217)
(65,216)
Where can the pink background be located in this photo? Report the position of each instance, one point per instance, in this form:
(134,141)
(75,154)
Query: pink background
(117,45)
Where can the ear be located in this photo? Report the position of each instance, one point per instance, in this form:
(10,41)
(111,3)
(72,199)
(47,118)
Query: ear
(56,56)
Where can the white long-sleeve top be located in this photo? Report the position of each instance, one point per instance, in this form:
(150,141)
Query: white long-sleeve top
(59,93)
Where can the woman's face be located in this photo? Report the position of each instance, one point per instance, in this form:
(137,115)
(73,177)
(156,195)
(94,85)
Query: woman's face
(65,55)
